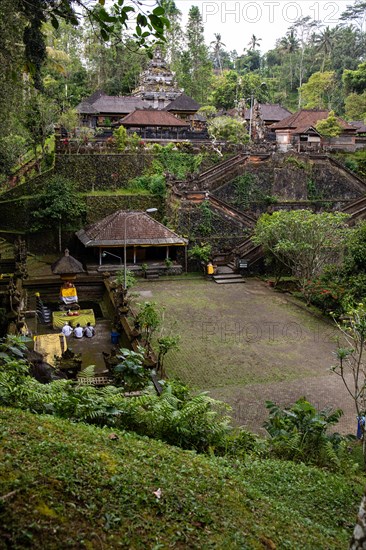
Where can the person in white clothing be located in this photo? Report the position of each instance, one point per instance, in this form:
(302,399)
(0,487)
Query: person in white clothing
(89,331)
(78,331)
(67,330)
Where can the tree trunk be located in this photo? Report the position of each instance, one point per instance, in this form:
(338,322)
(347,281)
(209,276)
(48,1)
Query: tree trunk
(59,237)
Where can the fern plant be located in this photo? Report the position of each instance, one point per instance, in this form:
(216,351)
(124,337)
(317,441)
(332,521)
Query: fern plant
(300,433)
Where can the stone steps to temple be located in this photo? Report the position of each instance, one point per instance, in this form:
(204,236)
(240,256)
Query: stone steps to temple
(228,279)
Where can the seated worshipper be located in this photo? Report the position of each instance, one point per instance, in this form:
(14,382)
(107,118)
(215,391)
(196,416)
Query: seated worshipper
(68,293)
(78,331)
(66,329)
(89,331)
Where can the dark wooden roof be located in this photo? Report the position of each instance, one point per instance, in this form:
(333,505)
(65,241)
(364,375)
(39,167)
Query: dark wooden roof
(359,125)
(100,103)
(86,108)
(141,229)
(307,118)
(270,111)
(152,117)
(66,264)
(183,103)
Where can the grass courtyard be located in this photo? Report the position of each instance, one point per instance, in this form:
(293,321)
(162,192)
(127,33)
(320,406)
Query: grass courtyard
(246,344)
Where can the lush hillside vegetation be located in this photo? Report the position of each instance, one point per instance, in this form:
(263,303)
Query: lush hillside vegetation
(77,486)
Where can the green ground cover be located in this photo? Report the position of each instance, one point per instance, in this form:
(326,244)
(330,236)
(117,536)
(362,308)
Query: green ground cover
(77,486)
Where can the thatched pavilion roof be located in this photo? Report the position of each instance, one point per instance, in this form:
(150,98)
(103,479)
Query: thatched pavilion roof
(67,264)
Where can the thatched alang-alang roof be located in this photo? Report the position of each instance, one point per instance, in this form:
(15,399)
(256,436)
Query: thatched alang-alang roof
(67,264)
(183,103)
(141,230)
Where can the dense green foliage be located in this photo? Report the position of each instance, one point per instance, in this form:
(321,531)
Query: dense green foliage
(178,417)
(344,285)
(303,241)
(300,433)
(58,478)
(59,205)
(329,127)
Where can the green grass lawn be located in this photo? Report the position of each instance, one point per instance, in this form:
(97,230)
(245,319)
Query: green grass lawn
(72,486)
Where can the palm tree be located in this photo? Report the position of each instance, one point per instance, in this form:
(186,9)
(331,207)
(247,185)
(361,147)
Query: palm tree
(254,42)
(289,44)
(324,43)
(216,46)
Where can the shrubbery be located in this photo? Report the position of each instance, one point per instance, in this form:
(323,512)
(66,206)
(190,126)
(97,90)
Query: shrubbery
(300,433)
(178,417)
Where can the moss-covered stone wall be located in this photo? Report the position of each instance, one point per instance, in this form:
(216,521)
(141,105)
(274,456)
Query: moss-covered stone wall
(102,172)
(33,186)
(100,206)
(290,181)
(216,229)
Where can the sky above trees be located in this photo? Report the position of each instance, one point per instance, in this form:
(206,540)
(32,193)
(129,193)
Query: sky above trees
(237,21)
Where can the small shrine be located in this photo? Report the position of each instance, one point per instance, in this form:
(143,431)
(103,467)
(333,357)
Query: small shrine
(68,268)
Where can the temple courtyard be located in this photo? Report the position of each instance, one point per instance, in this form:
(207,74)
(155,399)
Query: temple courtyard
(246,344)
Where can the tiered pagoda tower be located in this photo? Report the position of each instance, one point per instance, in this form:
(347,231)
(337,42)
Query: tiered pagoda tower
(157,83)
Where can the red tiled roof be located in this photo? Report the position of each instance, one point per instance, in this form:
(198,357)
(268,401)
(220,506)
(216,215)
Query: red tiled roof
(306,118)
(151,117)
(141,229)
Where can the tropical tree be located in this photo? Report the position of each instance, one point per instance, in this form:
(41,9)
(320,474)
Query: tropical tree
(165,344)
(330,126)
(69,120)
(318,91)
(303,28)
(59,205)
(147,25)
(254,42)
(227,129)
(40,116)
(217,47)
(150,318)
(174,34)
(355,106)
(355,13)
(196,67)
(355,81)
(303,241)
(324,44)
(289,44)
(351,366)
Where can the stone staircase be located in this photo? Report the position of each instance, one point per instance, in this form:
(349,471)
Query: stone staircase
(356,210)
(225,276)
(221,173)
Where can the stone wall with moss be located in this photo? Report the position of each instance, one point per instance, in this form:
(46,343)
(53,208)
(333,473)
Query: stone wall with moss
(33,186)
(202,224)
(290,181)
(100,206)
(102,172)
